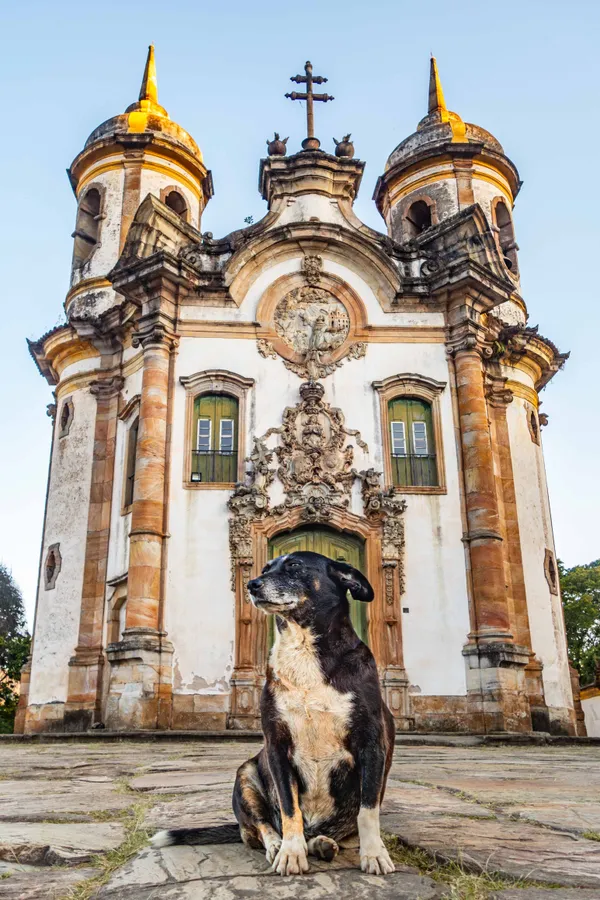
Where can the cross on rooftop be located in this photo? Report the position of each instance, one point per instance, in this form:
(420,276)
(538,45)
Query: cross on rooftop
(310,142)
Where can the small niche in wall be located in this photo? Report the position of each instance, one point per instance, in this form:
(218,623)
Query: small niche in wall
(52,566)
(533,424)
(67,412)
(551,571)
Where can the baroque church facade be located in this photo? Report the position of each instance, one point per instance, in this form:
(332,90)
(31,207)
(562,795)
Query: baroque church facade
(306,382)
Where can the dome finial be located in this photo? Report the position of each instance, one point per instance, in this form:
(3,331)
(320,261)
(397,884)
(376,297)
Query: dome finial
(436,94)
(149,89)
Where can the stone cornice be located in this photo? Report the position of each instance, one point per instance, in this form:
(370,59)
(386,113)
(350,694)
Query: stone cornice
(118,144)
(57,349)
(524,348)
(445,151)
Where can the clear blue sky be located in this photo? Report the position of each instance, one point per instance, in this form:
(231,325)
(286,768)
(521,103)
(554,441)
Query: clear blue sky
(527,71)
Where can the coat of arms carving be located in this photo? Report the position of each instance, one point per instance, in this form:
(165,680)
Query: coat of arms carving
(313,324)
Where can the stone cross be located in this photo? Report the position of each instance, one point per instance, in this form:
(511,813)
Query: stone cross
(310,142)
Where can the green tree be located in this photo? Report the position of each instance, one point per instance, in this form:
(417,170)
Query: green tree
(14,647)
(580,588)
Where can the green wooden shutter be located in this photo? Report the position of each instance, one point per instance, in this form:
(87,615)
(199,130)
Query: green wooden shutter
(215,438)
(399,437)
(417,466)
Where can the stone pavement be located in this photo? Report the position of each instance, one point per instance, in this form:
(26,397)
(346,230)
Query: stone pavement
(70,812)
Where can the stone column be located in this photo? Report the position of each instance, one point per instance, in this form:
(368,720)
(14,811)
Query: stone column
(496,696)
(141,679)
(499,398)
(133,160)
(84,697)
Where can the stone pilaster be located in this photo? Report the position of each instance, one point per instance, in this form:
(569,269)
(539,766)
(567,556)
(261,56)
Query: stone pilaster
(140,686)
(247,678)
(499,398)
(84,697)
(496,694)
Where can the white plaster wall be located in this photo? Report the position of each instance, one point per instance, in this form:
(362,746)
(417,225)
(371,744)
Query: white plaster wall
(106,252)
(591,710)
(306,206)
(58,611)
(545,613)
(200,603)
(153,182)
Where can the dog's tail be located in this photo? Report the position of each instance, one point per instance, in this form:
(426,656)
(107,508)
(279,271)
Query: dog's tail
(215,834)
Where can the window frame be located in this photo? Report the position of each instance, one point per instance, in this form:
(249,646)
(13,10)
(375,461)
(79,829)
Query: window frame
(128,416)
(177,189)
(414,387)
(408,203)
(214,381)
(503,252)
(78,233)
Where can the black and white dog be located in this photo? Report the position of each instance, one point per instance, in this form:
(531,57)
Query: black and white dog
(329,737)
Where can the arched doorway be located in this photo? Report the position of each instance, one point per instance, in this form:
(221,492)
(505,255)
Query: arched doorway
(338,546)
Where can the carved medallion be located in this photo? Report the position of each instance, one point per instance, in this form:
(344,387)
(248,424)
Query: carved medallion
(310,319)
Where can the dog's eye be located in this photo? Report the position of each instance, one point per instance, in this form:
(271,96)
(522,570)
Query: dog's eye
(293,565)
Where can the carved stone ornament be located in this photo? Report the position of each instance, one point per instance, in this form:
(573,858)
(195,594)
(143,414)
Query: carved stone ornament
(312,323)
(310,318)
(312,267)
(266,349)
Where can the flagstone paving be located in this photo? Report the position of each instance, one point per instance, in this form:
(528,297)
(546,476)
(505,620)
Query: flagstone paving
(525,812)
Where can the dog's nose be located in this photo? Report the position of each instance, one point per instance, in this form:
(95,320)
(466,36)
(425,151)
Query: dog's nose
(255,585)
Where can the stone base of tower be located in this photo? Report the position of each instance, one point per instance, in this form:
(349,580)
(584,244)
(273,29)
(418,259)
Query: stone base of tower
(497,697)
(534,684)
(83,706)
(140,683)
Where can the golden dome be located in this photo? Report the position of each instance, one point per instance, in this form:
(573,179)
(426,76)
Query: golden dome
(146,116)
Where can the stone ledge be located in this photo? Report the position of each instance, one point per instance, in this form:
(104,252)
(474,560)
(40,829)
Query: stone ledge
(432,739)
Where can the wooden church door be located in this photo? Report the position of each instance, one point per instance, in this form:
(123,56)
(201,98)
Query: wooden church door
(340,547)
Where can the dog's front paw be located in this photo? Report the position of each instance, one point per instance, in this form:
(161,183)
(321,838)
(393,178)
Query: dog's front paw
(375,860)
(292,857)
(272,849)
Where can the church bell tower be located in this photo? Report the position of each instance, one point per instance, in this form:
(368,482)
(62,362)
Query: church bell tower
(444,167)
(141,151)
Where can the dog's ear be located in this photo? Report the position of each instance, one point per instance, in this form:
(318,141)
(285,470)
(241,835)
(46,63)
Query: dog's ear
(351,580)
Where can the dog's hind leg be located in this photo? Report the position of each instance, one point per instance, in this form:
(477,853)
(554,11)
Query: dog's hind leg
(253,812)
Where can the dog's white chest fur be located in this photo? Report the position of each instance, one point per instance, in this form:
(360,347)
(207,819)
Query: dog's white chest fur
(316,714)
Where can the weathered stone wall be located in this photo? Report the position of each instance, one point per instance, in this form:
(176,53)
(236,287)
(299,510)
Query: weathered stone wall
(58,610)
(544,607)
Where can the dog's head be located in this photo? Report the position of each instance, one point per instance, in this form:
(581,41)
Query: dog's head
(307,586)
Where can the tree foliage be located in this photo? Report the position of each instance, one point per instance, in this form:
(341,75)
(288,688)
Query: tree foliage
(580,588)
(14,647)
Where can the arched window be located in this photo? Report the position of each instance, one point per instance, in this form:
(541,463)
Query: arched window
(506,236)
(87,230)
(215,439)
(175,201)
(132,436)
(412,442)
(417,218)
